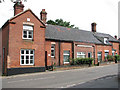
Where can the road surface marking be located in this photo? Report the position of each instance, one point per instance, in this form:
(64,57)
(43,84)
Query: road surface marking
(31,79)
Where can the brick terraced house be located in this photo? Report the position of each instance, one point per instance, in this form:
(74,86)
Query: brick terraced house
(30,45)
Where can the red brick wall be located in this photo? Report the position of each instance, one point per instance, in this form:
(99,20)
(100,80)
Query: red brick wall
(116,47)
(63,46)
(16,43)
(4,43)
(83,49)
(101,48)
(50,59)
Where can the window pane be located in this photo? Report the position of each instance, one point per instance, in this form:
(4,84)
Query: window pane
(30,32)
(22,61)
(31,52)
(31,57)
(22,57)
(27,57)
(27,51)
(22,51)
(52,46)
(25,32)
(25,36)
(27,61)
(31,61)
(30,36)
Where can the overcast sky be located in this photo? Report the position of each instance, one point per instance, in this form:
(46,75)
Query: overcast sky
(81,13)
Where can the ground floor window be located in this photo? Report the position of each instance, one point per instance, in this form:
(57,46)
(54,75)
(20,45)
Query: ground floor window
(81,55)
(99,54)
(106,54)
(66,56)
(89,55)
(113,53)
(27,57)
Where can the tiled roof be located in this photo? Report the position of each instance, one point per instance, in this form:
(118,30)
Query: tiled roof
(55,32)
(110,38)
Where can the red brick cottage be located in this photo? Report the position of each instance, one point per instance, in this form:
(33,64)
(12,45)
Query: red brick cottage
(30,45)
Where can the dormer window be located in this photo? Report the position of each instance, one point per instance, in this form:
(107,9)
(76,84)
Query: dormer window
(27,32)
(106,41)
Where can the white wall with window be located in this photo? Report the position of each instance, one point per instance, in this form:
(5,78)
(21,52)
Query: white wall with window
(52,50)
(81,55)
(26,57)
(27,32)
(66,56)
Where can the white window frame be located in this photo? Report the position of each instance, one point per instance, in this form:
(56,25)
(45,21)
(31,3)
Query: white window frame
(25,56)
(27,28)
(105,40)
(53,50)
(81,54)
(66,54)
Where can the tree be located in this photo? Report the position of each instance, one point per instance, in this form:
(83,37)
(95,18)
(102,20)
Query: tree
(13,1)
(60,22)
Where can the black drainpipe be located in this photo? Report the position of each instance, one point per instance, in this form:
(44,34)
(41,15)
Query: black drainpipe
(73,50)
(94,54)
(59,51)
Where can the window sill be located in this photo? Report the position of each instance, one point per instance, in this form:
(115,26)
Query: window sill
(26,64)
(52,57)
(66,62)
(28,40)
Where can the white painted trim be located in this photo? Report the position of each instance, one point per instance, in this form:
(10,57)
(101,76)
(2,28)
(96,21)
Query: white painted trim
(66,62)
(113,51)
(84,46)
(106,50)
(53,43)
(28,23)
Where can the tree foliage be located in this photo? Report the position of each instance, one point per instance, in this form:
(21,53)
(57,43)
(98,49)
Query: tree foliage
(60,22)
(13,1)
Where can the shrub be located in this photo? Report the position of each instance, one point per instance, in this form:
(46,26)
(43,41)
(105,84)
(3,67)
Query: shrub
(79,61)
(110,58)
(117,57)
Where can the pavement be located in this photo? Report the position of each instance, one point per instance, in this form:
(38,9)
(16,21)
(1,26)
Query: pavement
(63,78)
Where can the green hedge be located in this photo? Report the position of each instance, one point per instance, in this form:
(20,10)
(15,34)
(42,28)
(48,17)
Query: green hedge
(110,58)
(81,61)
(117,57)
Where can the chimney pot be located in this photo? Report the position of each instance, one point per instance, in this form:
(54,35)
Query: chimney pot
(115,37)
(93,27)
(43,15)
(18,7)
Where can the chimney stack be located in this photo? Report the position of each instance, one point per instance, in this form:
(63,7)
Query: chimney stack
(115,37)
(93,27)
(18,7)
(43,15)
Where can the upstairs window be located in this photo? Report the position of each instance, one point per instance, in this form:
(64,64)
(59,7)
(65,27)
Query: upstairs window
(27,32)
(106,41)
(53,50)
